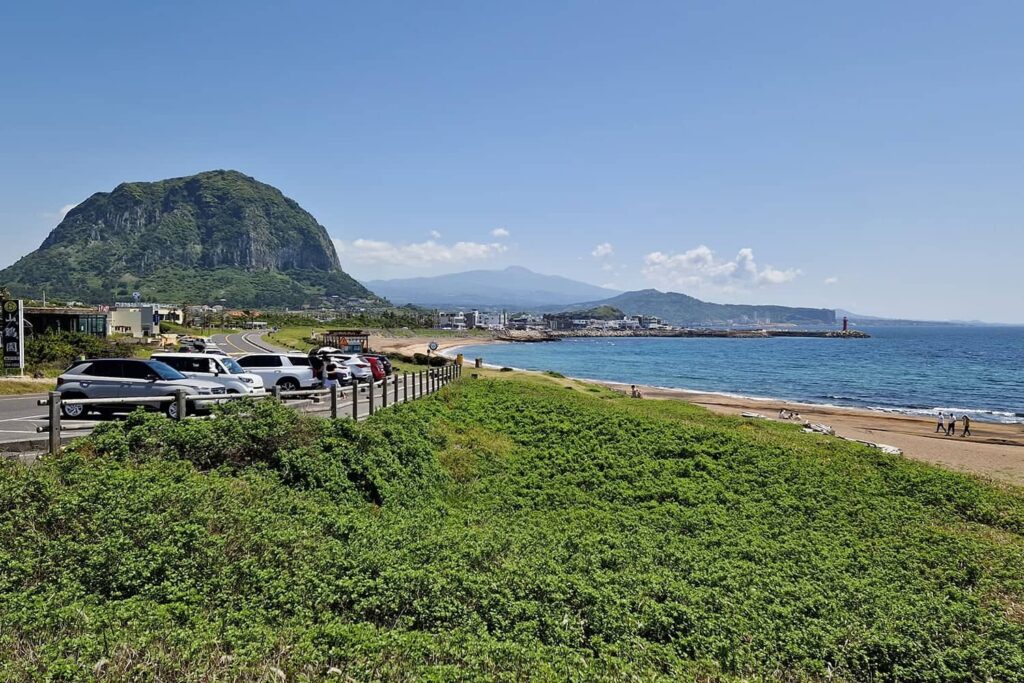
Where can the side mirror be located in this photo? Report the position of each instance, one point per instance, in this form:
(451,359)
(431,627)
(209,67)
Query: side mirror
(152,378)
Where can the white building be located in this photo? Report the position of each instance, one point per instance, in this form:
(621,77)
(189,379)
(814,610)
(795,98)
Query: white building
(137,321)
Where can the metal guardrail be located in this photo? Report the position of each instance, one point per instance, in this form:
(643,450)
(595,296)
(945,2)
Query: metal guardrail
(427,381)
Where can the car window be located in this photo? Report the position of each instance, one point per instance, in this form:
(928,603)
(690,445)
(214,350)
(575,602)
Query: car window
(136,370)
(103,368)
(233,367)
(174,361)
(162,370)
(260,362)
(299,360)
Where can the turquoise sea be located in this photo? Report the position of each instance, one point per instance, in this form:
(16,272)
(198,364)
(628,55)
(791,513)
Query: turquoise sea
(908,369)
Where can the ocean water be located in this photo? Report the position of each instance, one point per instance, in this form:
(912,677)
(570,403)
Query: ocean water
(908,369)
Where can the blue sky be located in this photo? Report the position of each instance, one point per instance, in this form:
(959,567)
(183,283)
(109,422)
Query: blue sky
(868,155)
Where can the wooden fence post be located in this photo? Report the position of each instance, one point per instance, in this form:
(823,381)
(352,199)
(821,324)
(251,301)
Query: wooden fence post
(405,387)
(355,402)
(394,378)
(370,390)
(54,405)
(182,404)
(334,401)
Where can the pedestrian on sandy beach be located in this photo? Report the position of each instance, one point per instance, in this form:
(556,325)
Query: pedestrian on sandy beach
(635,393)
(951,429)
(967,427)
(941,426)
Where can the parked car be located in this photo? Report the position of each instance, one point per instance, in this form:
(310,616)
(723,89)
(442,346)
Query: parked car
(289,371)
(357,365)
(222,370)
(383,360)
(376,367)
(129,378)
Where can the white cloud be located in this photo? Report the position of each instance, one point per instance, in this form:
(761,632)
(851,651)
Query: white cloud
(831,280)
(59,213)
(602,250)
(500,233)
(434,235)
(700,267)
(431,252)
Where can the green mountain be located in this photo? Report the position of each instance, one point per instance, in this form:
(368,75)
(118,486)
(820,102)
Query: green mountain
(219,235)
(680,309)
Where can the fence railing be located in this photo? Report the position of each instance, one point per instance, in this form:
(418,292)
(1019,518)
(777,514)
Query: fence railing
(377,395)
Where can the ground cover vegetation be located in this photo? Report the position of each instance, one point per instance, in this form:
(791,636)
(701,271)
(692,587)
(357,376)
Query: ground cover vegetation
(505,528)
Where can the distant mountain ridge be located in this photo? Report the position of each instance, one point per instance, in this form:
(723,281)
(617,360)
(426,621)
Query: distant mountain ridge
(218,235)
(681,309)
(512,287)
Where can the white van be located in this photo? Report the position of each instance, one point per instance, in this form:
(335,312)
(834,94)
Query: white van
(222,370)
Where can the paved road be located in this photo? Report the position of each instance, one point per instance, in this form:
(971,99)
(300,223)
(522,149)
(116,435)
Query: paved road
(241,343)
(20,415)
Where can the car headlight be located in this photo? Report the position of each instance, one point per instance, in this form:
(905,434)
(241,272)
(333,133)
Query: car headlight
(247,380)
(219,391)
(203,391)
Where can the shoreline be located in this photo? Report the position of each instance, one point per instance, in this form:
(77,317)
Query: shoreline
(995,450)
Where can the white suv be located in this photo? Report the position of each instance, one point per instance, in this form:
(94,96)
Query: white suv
(220,369)
(290,371)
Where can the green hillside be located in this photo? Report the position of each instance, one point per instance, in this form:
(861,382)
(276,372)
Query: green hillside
(202,238)
(503,530)
(680,309)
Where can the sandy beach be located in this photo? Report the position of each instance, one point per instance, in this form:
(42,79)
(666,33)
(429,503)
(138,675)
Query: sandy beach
(994,450)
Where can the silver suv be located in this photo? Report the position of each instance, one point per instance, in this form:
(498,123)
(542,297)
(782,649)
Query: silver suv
(129,378)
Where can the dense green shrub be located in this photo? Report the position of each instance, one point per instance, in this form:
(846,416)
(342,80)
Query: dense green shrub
(57,350)
(502,529)
(432,360)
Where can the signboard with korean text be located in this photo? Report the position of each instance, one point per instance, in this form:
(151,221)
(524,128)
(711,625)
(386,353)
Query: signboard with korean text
(13,334)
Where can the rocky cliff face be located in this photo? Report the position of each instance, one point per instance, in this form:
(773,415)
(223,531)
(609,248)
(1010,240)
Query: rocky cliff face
(144,235)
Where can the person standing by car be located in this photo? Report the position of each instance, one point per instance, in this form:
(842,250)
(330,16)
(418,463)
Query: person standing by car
(331,378)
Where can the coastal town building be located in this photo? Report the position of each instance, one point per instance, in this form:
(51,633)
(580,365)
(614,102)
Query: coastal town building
(91,321)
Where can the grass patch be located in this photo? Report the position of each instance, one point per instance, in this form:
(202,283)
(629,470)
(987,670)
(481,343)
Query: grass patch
(10,386)
(503,530)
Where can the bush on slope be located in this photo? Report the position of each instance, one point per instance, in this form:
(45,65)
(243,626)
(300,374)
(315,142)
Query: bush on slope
(502,530)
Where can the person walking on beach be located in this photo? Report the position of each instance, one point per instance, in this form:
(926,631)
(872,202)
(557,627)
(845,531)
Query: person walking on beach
(966,431)
(951,429)
(941,426)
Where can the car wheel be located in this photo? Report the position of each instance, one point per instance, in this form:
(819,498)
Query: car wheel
(288,384)
(74,411)
(171,410)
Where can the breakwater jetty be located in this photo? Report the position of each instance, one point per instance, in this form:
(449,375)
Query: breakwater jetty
(549,335)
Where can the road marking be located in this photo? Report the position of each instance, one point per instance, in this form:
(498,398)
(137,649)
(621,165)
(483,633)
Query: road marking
(21,397)
(27,419)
